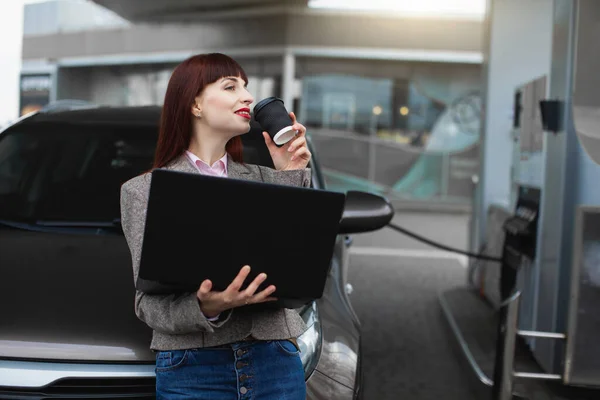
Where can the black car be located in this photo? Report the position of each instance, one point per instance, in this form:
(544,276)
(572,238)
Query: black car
(67,325)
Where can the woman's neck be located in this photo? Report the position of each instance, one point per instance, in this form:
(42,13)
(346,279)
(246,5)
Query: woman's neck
(207,144)
(209,151)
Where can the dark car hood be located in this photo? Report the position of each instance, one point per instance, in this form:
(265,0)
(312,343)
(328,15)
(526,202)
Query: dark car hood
(68,295)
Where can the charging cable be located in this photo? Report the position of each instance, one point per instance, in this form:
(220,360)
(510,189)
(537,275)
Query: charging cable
(441,246)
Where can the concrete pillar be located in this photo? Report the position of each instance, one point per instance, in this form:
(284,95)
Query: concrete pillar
(11,19)
(287,80)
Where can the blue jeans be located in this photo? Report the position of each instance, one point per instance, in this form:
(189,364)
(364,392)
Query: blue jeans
(260,370)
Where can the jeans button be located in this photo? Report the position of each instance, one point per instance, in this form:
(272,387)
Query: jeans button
(240,352)
(243,390)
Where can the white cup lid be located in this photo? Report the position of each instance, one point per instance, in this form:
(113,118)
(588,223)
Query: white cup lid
(284,135)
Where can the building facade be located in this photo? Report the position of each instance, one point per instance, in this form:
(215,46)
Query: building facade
(392,102)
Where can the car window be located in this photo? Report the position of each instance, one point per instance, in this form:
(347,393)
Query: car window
(69,174)
(72,174)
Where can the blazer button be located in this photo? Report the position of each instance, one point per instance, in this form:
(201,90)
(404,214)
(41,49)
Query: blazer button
(239,365)
(243,377)
(243,390)
(240,352)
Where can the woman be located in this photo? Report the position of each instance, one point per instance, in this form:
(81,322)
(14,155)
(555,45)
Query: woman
(208,344)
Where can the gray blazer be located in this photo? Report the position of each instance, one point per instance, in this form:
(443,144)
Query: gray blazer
(177,321)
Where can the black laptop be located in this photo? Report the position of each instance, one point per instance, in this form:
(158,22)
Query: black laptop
(203,227)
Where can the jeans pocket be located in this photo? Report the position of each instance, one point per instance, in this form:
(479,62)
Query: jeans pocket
(287,347)
(170,360)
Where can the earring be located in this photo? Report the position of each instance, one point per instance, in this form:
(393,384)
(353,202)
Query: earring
(198,115)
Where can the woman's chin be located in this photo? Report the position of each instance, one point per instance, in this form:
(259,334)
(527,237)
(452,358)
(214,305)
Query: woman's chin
(243,129)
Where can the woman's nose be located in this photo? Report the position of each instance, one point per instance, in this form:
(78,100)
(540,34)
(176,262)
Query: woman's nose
(247,98)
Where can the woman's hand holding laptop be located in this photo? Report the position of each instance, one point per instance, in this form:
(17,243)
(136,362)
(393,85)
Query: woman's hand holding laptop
(213,303)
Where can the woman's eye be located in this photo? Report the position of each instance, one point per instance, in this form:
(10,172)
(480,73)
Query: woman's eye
(230,88)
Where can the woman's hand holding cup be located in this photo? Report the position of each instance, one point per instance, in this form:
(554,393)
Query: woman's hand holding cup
(292,155)
(212,303)
(284,136)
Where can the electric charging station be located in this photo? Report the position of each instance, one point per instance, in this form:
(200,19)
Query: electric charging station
(556,169)
(570,246)
(557,156)
(555,191)
(550,275)
(527,180)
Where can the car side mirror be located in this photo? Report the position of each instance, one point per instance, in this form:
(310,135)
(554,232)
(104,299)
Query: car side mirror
(365,212)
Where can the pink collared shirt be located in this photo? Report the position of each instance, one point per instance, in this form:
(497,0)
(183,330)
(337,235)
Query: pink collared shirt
(219,168)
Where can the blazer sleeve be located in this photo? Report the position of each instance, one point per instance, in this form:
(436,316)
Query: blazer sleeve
(169,314)
(296,177)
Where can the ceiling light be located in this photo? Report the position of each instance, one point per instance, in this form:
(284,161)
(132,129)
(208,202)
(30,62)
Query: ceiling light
(472,8)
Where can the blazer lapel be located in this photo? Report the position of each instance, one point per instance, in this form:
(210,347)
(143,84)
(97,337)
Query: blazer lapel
(237,171)
(182,164)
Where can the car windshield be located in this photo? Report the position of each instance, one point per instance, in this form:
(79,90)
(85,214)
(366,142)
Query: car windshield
(69,174)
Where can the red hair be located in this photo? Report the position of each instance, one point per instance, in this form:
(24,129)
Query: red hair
(187,82)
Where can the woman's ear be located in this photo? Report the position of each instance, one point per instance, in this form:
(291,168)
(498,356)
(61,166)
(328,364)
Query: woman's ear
(196,110)
(196,106)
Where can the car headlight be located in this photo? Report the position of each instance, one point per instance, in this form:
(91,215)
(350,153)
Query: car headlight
(310,341)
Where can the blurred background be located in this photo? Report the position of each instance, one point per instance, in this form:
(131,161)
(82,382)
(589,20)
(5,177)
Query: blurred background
(390,90)
(397,96)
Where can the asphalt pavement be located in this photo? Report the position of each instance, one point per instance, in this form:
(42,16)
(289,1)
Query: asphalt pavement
(407,350)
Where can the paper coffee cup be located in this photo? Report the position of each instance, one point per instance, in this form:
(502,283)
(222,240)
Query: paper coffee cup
(273,117)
